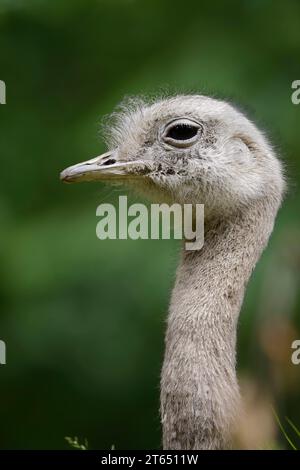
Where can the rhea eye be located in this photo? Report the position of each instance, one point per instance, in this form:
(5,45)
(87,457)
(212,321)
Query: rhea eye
(182,132)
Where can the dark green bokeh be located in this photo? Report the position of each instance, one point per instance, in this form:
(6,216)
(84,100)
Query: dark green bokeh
(83,320)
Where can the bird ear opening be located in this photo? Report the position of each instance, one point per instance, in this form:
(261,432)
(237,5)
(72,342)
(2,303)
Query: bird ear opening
(250,144)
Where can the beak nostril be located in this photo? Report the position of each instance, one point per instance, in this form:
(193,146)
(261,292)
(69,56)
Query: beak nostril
(110,161)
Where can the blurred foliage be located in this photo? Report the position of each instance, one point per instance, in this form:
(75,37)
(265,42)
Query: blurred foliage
(83,320)
(292,427)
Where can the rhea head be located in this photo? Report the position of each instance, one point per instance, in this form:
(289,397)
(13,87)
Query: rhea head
(186,149)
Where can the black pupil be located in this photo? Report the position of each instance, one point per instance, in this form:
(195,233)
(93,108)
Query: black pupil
(182,132)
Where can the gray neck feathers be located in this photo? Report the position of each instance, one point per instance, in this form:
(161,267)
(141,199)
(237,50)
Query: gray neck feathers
(199,389)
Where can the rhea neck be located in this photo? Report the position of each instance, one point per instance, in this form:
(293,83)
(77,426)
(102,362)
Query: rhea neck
(199,390)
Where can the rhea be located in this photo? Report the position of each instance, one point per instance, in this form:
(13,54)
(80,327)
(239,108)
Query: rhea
(196,149)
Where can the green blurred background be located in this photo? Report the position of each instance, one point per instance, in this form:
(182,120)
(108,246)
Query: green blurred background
(84,319)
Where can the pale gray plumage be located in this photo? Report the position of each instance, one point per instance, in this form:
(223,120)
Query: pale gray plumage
(229,167)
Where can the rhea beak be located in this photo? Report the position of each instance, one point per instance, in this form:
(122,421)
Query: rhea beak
(104,167)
